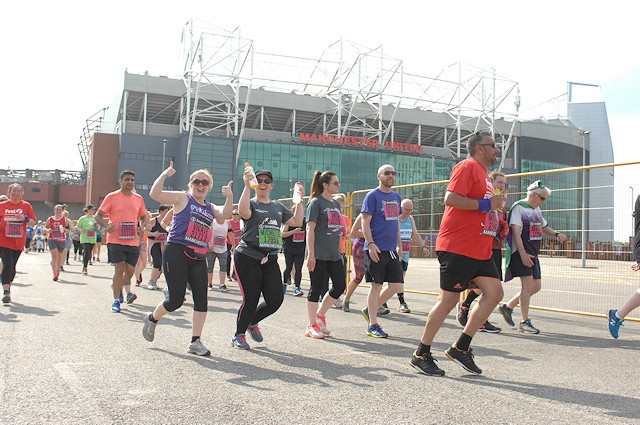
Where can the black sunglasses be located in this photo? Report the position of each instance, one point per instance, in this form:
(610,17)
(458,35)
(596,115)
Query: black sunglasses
(266,180)
(543,198)
(389,172)
(203,182)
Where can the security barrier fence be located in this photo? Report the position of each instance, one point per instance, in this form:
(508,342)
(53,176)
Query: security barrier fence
(589,274)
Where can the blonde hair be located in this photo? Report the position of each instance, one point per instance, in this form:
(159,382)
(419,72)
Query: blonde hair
(202,171)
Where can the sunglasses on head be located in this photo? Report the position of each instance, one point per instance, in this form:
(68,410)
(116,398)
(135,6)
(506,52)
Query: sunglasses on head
(203,182)
(266,180)
(389,172)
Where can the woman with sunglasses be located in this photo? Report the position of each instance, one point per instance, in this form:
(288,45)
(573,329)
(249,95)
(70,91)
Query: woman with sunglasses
(523,246)
(324,230)
(187,246)
(256,257)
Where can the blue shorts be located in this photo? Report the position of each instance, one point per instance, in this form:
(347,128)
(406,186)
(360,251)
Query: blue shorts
(59,245)
(518,269)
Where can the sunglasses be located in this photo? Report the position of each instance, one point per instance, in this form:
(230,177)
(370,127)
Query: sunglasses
(203,182)
(235,214)
(265,181)
(389,173)
(337,183)
(543,198)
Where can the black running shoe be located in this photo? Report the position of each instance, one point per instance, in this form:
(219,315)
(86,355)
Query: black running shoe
(488,327)
(506,314)
(425,364)
(462,313)
(464,359)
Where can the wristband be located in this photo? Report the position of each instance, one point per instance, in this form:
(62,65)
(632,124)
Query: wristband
(371,243)
(484,205)
(26,218)
(557,234)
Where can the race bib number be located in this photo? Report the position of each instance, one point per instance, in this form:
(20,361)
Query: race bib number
(127,230)
(14,229)
(406,246)
(269,238)
(535,231)
(391,210)
(198,233)
(491,224)
(91,233)
(299,237)
(219,242)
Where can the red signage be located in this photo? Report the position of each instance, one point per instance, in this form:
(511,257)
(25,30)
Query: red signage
(332,139)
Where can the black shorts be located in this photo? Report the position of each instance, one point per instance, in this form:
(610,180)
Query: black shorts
(387,269)
(518,269)
(119,253)
(457,271)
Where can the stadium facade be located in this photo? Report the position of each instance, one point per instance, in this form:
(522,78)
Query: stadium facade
(350,111)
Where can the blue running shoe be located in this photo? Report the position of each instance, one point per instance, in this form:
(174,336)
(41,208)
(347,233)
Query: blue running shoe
(376,331)
(614,323)
(298,292)
(254,332)
(365,314)
(240,342)
(121,298)
(115,307)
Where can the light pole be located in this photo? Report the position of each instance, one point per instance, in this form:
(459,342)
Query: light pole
(164,149)
(584,133)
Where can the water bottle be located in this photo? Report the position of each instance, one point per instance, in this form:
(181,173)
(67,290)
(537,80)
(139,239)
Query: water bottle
(254,182)
(297,193)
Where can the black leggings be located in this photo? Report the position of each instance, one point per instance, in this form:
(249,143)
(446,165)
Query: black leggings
(229,255)
(9,260)
(156,255)
(321,274)
(291,258)
(87,250)
(254,279)
(181,267)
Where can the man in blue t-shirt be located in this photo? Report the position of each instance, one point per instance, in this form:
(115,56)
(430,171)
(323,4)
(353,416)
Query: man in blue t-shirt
(380,211)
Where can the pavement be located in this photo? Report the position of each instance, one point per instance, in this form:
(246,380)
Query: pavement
(65,358)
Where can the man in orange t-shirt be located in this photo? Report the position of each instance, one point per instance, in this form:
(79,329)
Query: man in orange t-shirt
(124,208)
(469,224)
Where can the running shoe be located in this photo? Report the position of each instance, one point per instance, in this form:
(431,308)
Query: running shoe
(149,328)
(115,307)
(284,288)
(345,306)
(297,292)
(152,285)
(198,349)
(240,342)
(314,331)
(376,331)
(121,297)
(338,303)
(255,334)
(55,277)
(383,310)
(614,323)
(489,328)
(85,272)
(223,288)
(321,321)
(62,268)
(526,327)
(365,314)
(131,297)
(211,287)
(506,314)
(462,314)
(404,308)
(6,297)
(464,359)
(425,364)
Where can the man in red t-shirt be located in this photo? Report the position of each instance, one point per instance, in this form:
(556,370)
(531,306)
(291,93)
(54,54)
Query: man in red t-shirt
(15,216)
(125,209)
(469,224)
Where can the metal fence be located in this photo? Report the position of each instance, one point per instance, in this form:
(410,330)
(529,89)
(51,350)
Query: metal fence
(589,274)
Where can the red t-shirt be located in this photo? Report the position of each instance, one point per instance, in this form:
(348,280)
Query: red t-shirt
(54,224)
(233,237)
(13,232)
(124,211)
(461,230)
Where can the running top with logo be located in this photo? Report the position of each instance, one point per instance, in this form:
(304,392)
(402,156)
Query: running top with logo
(406,233)
(219,239)
(123,211)
(329,228)
(87,225)
(57,226)
(158,228)
(384,209)
(233,233)
(346,225)
(191,227)
(261,235)
(531,221)
(296,243)
(13,233)
(468,232)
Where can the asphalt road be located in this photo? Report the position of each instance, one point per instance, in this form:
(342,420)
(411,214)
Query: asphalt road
(65,358)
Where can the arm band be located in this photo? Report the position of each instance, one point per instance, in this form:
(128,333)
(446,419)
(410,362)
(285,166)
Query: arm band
(26,219)
(484,205)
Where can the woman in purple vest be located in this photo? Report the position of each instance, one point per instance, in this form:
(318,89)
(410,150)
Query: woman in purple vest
(187,246)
